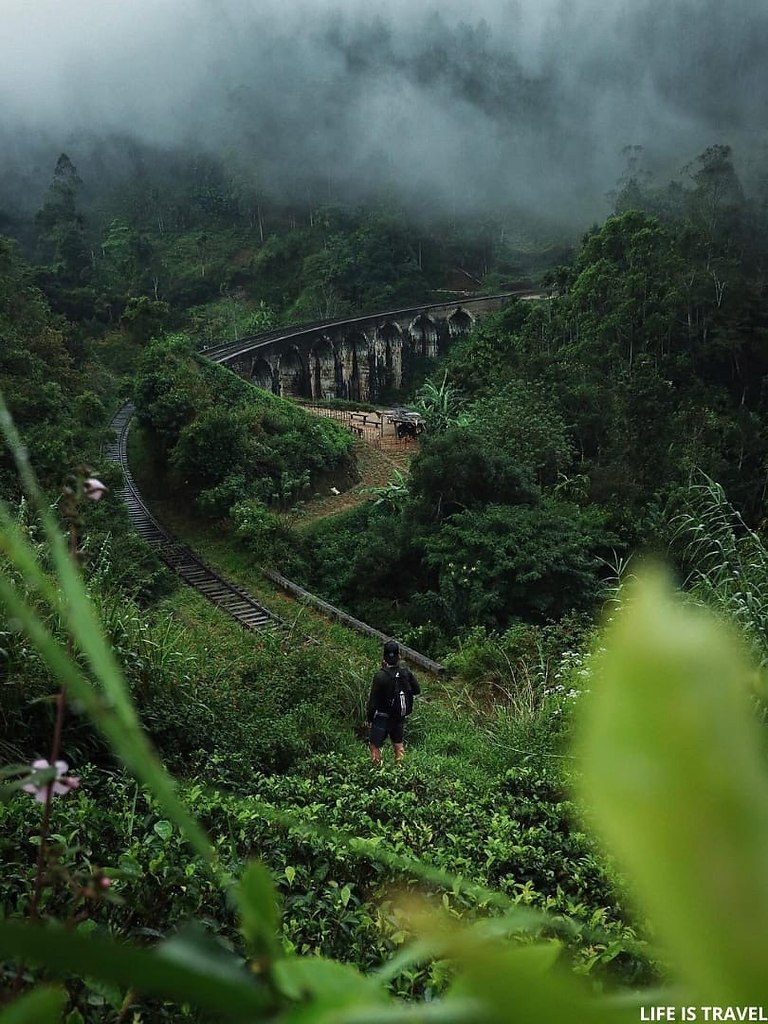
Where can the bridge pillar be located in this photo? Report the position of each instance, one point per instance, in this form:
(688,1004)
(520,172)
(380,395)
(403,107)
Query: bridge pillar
(395,360)
(346,353)
(323,371)
(292,375)
(362,368)
(388,357)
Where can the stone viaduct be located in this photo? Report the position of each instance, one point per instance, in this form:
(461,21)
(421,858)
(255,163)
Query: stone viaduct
(353,358)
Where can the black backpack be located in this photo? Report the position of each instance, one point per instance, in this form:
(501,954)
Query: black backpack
(401,701)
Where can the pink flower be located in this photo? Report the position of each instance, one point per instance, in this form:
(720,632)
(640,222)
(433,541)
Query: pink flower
(94,489)
(61,784)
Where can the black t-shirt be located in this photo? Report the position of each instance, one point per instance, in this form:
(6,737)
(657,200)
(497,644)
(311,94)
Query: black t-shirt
(381,689)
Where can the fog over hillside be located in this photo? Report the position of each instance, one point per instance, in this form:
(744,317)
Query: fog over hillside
(528,102)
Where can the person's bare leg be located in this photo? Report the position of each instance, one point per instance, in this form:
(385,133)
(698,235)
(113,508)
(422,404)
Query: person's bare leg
(399,751)
(375,754)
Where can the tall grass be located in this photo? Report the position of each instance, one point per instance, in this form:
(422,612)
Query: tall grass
(724,562)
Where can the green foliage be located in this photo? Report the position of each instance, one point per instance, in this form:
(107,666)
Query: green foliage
(509,561)
(519,667)
(471,541)
(226,441)
(477,362)
(337,896)
(439,404)
(38,375)
(169,389)
(143,318)
(364,265)
(625,292)
(61,229)
(394,494)
(115,717)
(43,1006)
(262,532)
(208,449)
(460,470)
(669,710)
(523,422)
(580,415)
(228,319)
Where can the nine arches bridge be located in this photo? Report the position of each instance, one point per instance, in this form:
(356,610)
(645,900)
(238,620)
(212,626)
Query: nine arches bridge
(353,358)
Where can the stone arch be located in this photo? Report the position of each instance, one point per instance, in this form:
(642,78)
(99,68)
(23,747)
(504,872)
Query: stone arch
(460,322)
(263,375)
(323,370)
(424,332)
(292,374)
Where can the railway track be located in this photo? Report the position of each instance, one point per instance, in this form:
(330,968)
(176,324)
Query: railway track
(227,596)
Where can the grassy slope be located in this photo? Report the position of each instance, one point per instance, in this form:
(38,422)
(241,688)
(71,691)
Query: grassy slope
(444,736)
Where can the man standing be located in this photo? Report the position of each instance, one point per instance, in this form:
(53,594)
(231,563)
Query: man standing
(392,691)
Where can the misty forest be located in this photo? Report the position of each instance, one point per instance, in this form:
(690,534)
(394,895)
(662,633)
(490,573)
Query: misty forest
(327,324)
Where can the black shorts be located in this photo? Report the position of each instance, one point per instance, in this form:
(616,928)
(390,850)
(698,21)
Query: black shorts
(383,726)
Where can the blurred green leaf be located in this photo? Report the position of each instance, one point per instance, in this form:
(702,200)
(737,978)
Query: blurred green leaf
(259,911)
(180,970)
(14,769)
(43,1006)
(509,984)
(332,987)
(194,947)
(674,775)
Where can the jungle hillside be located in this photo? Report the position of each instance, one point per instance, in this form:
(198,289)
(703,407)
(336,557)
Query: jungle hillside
(574,539)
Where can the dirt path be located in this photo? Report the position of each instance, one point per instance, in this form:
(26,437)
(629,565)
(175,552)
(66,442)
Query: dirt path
(377,459)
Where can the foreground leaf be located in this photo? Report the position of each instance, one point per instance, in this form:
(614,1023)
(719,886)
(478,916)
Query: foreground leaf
(259,912)
(44,1006)
(179,974)
(324,989)
(674,776)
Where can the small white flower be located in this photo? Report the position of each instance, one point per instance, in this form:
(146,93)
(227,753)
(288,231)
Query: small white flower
(94,489)
(60,785)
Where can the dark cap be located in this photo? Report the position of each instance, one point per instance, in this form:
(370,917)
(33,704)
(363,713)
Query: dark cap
(391,652)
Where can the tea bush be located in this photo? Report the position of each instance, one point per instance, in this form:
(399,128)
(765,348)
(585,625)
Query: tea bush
(518,836)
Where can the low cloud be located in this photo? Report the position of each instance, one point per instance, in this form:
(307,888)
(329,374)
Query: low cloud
(524,104)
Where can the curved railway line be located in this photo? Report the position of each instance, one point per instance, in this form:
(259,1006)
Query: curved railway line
(228,596)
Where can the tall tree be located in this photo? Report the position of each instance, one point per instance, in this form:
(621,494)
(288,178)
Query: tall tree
(61,227)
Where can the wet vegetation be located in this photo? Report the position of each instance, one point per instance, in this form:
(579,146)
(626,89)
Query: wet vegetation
(622,413)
